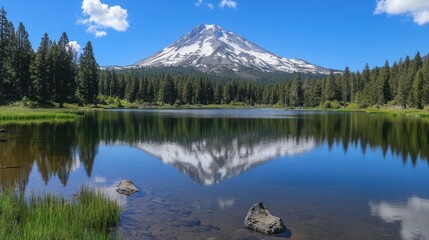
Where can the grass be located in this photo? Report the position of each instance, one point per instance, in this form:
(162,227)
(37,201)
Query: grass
(54,217)
(391,110)
(18,113)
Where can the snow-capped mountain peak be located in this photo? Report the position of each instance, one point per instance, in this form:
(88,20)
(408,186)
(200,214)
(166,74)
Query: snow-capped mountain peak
(209,47)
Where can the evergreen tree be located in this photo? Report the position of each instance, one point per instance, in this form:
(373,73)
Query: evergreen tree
(64,71)
(88,76)
(383,87)
(346,91)
(52,68)
(3,46)
(114,86)
(168,90)
(404,85)
(22,61)
(418,90)
(6,46)
(218,93)
(187,92)
(425,72)
(329,92)
(297,94)
(226,95)
(142,93)
(39,71)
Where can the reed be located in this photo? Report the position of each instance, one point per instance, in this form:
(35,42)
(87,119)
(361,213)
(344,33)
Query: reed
(23,113)
(91,216)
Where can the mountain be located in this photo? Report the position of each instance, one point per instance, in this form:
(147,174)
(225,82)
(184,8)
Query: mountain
(210,48)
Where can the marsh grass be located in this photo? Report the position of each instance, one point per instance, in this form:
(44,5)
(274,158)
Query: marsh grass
(91,216)
(13,113)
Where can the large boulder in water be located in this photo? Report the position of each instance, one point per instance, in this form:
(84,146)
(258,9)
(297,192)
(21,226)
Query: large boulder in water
(126,187)
(260,220)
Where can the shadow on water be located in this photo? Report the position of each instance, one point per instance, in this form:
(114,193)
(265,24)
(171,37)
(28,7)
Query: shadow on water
(208,149)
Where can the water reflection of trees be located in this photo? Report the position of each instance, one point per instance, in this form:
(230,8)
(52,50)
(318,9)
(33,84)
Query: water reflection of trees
(55,148)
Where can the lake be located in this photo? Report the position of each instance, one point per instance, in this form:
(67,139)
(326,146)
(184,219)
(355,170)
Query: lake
(327,175)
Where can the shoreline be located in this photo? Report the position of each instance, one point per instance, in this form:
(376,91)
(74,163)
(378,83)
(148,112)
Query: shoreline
(71,112)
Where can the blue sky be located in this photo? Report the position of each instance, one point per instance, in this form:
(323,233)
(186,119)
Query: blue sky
(330,33)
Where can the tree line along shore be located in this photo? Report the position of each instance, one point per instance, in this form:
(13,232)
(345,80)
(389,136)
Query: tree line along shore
(55,75)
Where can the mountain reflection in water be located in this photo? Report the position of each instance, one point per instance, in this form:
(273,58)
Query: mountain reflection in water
(208,148)
(209,163)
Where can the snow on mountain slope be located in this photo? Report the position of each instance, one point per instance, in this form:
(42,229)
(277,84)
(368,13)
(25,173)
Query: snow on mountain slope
(211,48)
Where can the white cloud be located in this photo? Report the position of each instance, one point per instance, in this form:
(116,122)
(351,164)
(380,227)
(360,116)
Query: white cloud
(96,31)
(200,3)
(417,9)
(100,16)
(413,216)
(228,3)
(75,46)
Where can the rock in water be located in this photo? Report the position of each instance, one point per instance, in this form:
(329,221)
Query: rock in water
(126,187)
(3,130)
(260,220)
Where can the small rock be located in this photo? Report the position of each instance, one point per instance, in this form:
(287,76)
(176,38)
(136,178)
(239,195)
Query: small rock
(126,187)
(3,130)
(260,220)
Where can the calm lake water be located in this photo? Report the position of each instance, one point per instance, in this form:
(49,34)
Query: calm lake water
(327,175)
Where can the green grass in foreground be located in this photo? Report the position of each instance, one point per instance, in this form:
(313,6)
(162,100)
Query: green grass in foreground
(17,113)
(54,217)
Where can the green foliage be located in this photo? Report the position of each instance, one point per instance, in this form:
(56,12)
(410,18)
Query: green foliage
(52,74)
(53,217)
(24,113)
(331,105)
(88,76)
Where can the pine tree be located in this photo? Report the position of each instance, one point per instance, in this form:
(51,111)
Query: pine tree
(132,89)
(7,88)
(187,92)
(88,76)
(404,85)
(329,92)
(383,87)
(297,94)
(142,93)
(218,92)
(167,91)
(3,52)
(425,72)
(226,96)
(415,66)
(418,90)
(346,86)
(113,86)
(22,61)
(39,71)
(52,65)
(64,71)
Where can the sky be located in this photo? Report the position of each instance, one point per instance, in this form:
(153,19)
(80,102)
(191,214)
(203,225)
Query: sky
(329,33)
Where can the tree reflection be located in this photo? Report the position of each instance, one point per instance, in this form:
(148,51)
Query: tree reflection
(57,147)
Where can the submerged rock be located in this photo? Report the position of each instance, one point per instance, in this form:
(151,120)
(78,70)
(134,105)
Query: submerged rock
(260,220)
(126,187)
(2,130)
